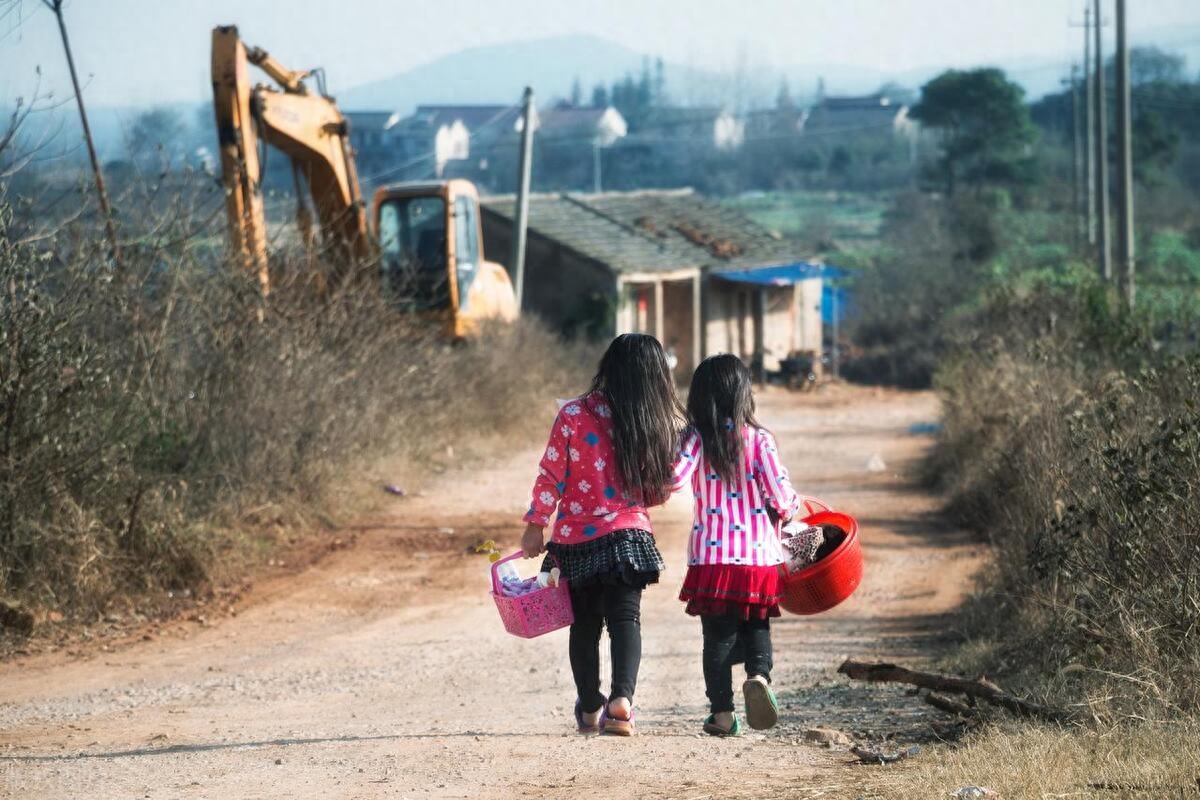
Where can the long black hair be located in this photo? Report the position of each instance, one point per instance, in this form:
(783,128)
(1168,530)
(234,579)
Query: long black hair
(720,394)
(634,378)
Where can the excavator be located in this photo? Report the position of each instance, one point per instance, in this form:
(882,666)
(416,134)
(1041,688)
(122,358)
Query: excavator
(426,237)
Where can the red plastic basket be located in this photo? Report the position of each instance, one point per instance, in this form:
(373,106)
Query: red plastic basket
(822,585)
(533,614)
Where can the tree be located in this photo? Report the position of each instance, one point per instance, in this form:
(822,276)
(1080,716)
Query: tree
(159,129)
(1154,148)
(1152,65)
(645,87)
(576,93)
(841,161)
(985,127)
(783,99)
(660,83)
(599,96)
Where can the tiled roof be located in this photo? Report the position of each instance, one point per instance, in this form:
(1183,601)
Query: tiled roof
(653,230)
(471,116)
(848,113)
(570,221)
(371,120)
(556,119)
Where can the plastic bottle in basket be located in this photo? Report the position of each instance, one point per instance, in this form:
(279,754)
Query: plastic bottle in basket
(507,573)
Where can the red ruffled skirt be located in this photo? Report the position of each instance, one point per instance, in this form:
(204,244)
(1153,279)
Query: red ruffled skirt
(733,589)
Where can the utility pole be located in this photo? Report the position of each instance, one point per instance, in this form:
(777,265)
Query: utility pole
(1079,193)
(596,182)
(521,216)
(1089,131)
(835,354)
(101,193)
(1125,244)
(1102,232)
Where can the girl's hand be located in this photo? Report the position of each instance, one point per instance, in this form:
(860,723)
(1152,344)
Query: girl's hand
(532,541)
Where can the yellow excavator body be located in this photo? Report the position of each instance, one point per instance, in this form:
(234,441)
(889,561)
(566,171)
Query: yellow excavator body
(427,236)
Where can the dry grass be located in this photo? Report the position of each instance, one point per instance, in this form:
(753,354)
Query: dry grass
(1075,447)
(143,414)
(1148,761)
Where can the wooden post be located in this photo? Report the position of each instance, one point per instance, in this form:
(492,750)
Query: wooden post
(596,182)
(1125,248)
(521,215)
(658,311)
(760,322)
(1104,255)
(101,193)
(1077,158)
(623,323)
(1089,150)
(835,354)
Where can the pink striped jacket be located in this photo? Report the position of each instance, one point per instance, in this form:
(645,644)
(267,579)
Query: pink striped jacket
(731,524)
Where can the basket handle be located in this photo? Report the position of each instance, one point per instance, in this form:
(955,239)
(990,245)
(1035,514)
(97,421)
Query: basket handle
(808,502)
(496,566)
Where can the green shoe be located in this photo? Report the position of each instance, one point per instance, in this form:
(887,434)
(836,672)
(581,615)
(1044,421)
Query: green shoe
(713,729)
(762,709)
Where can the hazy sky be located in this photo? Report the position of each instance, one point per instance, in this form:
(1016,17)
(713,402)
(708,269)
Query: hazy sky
(157,51)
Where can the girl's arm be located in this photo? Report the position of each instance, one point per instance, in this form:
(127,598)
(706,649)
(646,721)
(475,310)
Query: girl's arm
(772,476)
(688,458)
(550,482)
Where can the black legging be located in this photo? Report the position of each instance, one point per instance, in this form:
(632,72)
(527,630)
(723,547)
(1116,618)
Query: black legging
(722,637)
(618,605)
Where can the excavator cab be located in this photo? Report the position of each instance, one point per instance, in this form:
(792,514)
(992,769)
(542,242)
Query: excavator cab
(431,258)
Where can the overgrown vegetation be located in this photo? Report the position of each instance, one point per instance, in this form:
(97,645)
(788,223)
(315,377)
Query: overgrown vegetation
(142,411)
(1071,435)
(1072,440)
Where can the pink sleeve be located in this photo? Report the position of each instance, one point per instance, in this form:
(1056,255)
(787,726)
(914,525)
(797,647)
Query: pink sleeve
(772,476)
(688,459)
(549,484)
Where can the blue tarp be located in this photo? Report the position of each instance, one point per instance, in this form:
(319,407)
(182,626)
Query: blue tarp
(788,274)
(843,304)
(780,274)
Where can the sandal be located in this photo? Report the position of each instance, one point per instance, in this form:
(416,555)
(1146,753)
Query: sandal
(762,709)
(713,729)
(615,726)
(588,729)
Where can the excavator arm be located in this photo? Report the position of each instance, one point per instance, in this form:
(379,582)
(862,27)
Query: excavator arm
(308,128)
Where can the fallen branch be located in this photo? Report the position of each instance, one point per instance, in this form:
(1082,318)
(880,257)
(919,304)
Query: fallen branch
(981,688)
(880,757)
(950,705)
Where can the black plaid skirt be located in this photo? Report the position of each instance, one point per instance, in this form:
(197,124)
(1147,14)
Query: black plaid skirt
(628,556)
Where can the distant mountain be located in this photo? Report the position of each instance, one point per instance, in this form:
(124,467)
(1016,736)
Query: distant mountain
(499,73)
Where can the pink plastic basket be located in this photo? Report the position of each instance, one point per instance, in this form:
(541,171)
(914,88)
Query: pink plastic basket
(535,613)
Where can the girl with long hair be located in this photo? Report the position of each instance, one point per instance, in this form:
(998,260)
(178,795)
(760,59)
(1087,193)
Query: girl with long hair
(610,456)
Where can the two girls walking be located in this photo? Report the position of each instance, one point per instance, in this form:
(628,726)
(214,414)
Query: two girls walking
(623,447)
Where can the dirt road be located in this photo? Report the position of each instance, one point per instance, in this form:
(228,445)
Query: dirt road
(384,671)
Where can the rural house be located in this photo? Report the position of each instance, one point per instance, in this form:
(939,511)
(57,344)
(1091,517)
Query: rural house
(702,278)
(436,137)
(373,137)
(876,112)
(565,122)
(569,144)
(703,127)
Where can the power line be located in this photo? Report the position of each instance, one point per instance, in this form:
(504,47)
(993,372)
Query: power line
(492,121)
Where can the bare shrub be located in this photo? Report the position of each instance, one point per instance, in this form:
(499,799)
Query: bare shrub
(140,411)
(1072,439)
